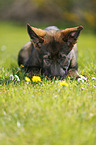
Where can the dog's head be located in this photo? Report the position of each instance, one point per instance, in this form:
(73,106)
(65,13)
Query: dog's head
(54,47)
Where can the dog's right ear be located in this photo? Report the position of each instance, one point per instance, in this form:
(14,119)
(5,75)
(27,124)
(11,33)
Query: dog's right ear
(36,35)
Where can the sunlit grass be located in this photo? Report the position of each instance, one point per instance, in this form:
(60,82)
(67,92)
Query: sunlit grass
(46,113)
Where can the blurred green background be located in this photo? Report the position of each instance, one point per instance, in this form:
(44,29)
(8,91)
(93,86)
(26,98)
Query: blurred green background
(62,13)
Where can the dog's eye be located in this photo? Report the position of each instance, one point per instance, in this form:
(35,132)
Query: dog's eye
(45,56)
(46,60)
(62,59)
(62,56)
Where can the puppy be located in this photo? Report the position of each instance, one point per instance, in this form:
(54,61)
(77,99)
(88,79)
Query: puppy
(51,51)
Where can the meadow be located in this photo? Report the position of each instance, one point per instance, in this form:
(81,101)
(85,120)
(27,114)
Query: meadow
(46,113)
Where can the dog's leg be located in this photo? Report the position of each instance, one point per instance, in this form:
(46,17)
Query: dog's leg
(73,68)
(25,53)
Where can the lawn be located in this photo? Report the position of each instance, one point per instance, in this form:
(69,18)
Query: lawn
(46,113)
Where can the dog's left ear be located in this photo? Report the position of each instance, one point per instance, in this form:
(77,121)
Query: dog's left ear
(70,35)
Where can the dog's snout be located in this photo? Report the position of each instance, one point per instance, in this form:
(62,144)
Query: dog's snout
(57,71)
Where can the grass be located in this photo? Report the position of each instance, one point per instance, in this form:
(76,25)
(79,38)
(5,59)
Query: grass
(46,113)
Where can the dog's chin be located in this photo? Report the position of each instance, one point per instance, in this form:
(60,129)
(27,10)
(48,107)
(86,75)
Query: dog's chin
(54,76)
(50,75)
(57,77)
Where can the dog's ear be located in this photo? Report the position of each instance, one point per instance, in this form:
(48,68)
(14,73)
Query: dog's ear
(36,35)
(70,35)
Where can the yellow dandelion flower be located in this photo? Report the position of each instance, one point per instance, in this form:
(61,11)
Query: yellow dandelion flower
(83,72)
(22,65)
(27,79)
(68,77)
(36,79)
(62,83)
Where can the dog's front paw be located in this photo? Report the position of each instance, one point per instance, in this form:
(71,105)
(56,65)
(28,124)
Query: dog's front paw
(73,74)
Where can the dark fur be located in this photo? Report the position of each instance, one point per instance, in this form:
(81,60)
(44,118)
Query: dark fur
(52,52)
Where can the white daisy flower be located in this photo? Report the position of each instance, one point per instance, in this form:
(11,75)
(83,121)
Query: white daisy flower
(18,124)
(17,78)
(82,77)
(93,78)
(11,77)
